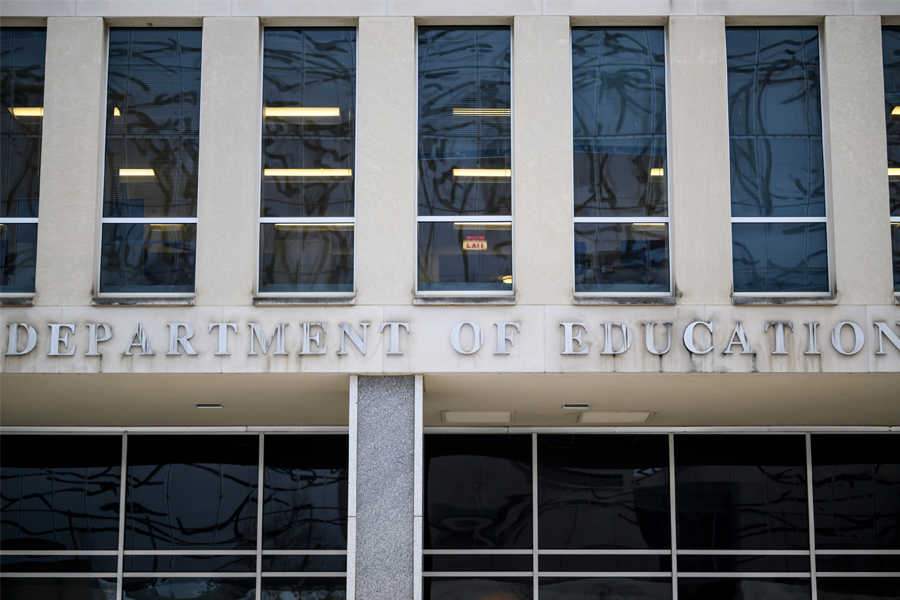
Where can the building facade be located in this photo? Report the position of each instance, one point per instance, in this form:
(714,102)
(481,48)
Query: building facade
(506,299)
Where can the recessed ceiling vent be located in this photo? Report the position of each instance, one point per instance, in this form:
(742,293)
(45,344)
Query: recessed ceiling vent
(576,405)
(208,405)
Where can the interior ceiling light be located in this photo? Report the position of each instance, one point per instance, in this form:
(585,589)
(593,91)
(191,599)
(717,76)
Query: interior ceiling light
(314,225)
(136,173)
(167,227)
(482,172)
(613,418)
(482,225)
(482,112)
(896,111)
(301,111)
(893,171)
(476,417)
(27,111)
(116,112)
(308,172)
(507,279)
(660,172)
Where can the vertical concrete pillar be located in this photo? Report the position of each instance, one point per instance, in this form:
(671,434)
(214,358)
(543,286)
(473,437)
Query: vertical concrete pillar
(698,148)
(385,259)
(71,161)
(384,461)
(542,160)
(229,178)
(856,159)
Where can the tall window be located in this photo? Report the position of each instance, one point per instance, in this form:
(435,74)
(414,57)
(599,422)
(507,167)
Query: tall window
(890,47)
(306,225)
(465,153)
(778,217)
(22,58)
(621,194)
(149,224)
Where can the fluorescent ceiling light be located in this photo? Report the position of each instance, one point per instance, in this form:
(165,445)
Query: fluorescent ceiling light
(27,111)
(660,172)
(613,418)
(507,279)
(136,173)
(476,417)
(896,110)
(301,111)
(482,225)
(893,171)
(482,112)
(313,225)
(482,172)
(308,173)
(167,227)
(116,112)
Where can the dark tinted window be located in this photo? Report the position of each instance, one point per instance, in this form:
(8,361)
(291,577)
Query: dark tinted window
(890,47)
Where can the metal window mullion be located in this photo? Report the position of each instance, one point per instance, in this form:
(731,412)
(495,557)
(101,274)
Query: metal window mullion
(272,574)
(350,220)
(152,220)
(779,219)
(190,552)
(260,495)
(465,218)
(750,575)
(120,551)
(743,553)
(59,552)
(858,552)
(534,515)
(812,516)
(607,552)
(621,219)
(304,553)
(67,575)
(672,520)
(18,220)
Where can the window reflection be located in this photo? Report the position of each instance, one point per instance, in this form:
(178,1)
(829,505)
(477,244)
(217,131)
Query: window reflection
(306,257)
(478,588)
(148,257)
(620,588)
(622,257)
(68,588)
(189,588)
(780,257)
(890,47)
(740,589)
(464,255)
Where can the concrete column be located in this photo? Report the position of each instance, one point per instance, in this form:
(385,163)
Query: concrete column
(385,259)
(856,160)
(229,178)
(385,453)
(71,161)
(698,148)
(542,161)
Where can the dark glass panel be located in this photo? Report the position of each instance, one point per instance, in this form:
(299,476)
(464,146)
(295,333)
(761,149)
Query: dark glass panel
(59,564)
(464,120)
(152,122)
(189,588)
(191,492)
(622,257)
(478,588)
(148,257)
(779,257)
(741,492)
(775,122)
(743,564)
(858,588)
(190,564)
(46,588)
(306,492)
(22,61)
(60,492)
(478,562)
(620,588)
(895,247)
(478,492)
(741,589)
(18,255)
(465,257)
(304,69)
(305,257)
(619,113)
(605,562)
(856,491)
(319,588)
(603,491)
(299,563)
(859,563)
(890,48)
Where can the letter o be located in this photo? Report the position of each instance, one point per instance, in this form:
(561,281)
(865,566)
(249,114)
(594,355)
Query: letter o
(859,338)
(479,337)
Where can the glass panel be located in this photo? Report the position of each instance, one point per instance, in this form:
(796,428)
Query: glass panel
(775,122)
(309,112)
(856,491)
(59,564)
(191,492)
(478,588)
(621,481)
(60,492)
(305,257)
(478,492)
(620,588)
(318,588)
(299,563)
(148,257)
(779,257)
(464,121)
(741,492)
(895,246)
(619,112)
(190,564)
(22,60)
(890,48)
(478,562)
(306,492)
(860,563)
(18,255)
(742,589)
(189,588)
(152,123)
(605,562)
(465,257)
(622,257)
(743,564)
(68,588)
(858,588)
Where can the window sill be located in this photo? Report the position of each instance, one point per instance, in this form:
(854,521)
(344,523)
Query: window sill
(463,300)
(305,301)
(789,300)
(634,300)
(17,301)
(144,301)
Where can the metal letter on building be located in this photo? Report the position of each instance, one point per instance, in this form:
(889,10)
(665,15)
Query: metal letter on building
(175,340)
(689,337)
(395,336)
(256,333)
(139,339)
(56,339)
(12,349)
(222,347)
(812,345)
(94,339)
(859,338)
(779,335)
(648,334)
(883,330)
(569,338)
(347,331)
(476,344)
(308,337)
(607,338)
(741,339)
(502,337)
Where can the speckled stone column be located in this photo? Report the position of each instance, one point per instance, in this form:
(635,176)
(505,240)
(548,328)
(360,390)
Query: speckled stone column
(385,442)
